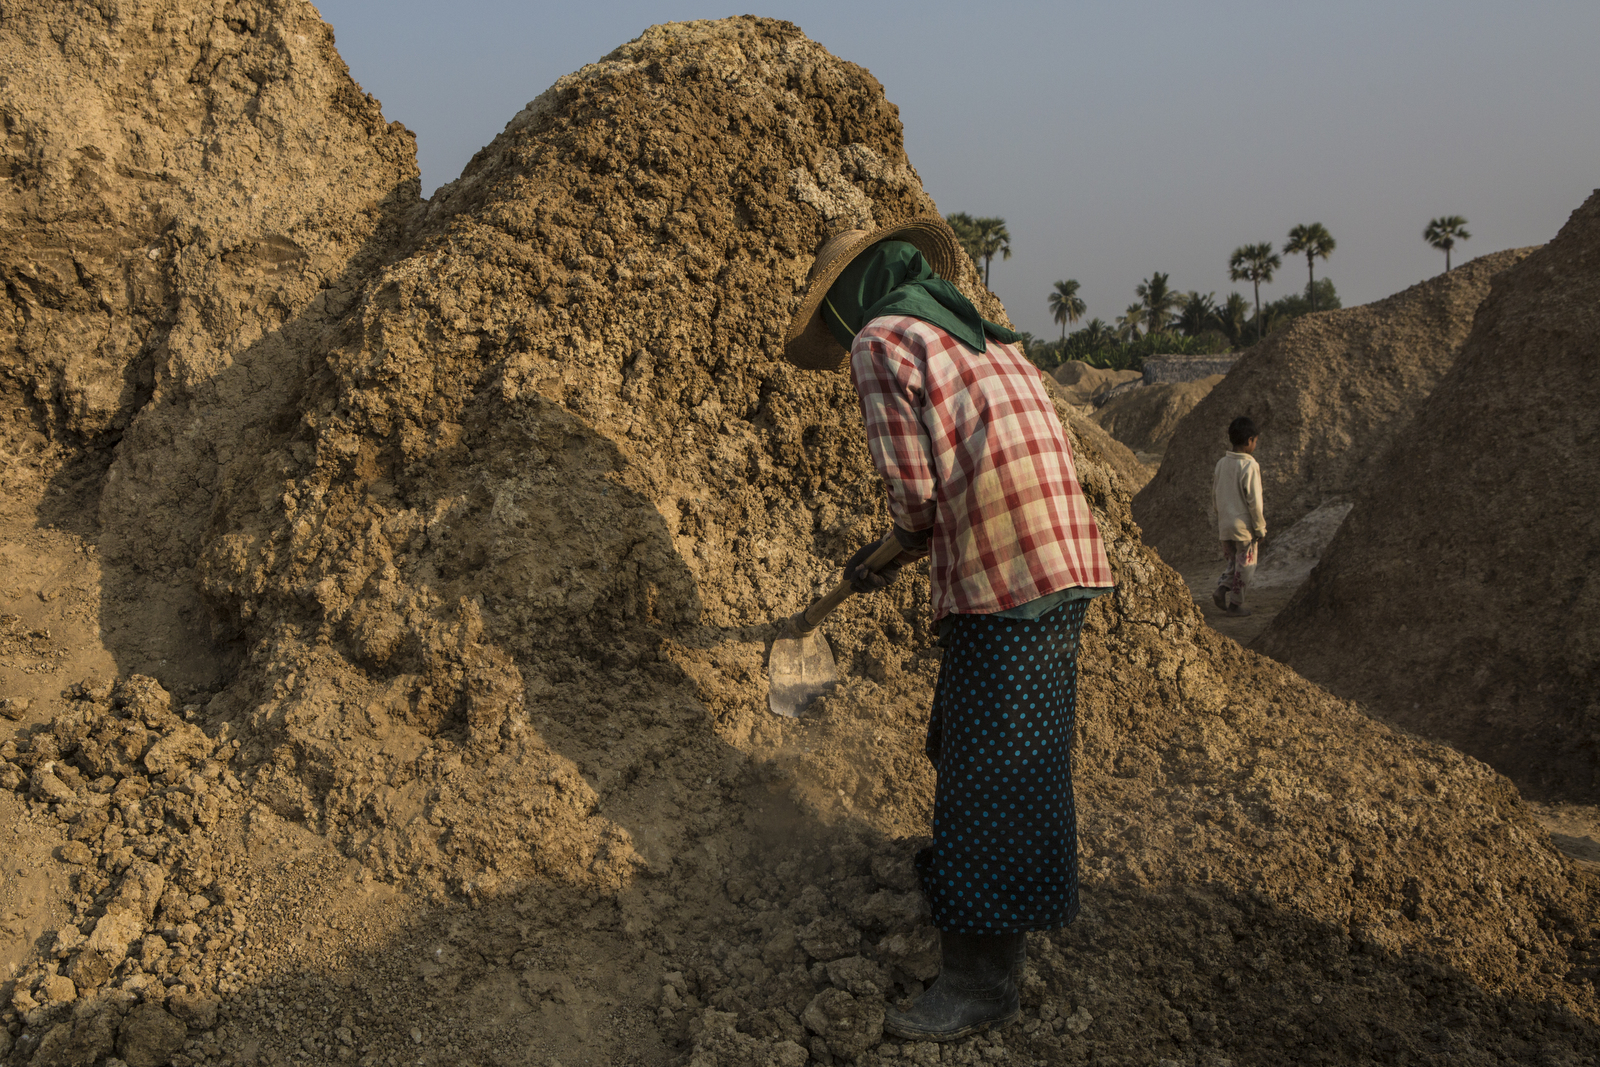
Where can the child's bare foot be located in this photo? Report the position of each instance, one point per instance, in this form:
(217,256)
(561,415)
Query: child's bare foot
(1219,597)
(1239,611)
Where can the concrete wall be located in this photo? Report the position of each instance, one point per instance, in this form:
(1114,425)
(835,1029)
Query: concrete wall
(1184,368)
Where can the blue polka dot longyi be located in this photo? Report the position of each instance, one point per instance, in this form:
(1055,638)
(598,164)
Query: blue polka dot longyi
(1004,857)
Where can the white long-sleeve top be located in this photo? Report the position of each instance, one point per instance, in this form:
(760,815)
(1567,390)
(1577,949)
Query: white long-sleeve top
(1236,496)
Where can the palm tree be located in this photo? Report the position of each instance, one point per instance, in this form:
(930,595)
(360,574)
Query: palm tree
(1159,301)
(1443,233)
(1231,318)
(992,238)
(1314,240)
(983,239)
(1128,323)
(1095,334)
(1066,305)
(1255,264)
(1198,314)
(966,229)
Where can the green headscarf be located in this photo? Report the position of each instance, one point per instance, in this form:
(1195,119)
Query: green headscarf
(892,278)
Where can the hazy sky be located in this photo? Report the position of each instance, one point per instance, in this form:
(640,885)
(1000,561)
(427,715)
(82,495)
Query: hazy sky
(1118,139)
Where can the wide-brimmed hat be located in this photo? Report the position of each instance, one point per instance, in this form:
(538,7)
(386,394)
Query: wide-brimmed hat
(809,343)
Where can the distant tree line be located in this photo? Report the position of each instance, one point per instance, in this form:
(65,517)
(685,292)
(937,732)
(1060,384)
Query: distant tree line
(1167,321)
(983,239)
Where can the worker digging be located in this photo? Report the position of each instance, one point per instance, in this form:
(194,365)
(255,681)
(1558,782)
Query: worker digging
(981,483)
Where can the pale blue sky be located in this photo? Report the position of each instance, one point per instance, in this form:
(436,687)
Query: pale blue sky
(1117,139)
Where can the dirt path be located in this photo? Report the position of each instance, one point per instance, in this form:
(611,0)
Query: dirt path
(1264,604)
(1575,829)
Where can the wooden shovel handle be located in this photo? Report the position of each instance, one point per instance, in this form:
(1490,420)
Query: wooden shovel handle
(812,617)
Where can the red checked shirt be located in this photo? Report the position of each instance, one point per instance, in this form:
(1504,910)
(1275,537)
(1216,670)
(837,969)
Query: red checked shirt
(970,445)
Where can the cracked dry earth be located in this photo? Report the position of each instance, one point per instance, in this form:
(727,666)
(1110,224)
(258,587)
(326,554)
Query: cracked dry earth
(388,586)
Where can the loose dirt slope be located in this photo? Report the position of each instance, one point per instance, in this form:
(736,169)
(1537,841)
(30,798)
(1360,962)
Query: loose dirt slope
(481,770)
(1476,542)
(1329,392)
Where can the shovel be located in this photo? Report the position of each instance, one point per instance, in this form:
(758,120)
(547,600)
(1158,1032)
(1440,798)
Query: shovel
(800,667)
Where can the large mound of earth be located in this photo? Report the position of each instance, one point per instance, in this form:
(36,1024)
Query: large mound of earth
(191,192)
(461,751)
(1329,393)
(1145,418)
(1475,543)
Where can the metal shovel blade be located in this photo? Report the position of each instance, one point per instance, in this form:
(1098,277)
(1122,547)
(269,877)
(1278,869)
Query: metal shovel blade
(799,670)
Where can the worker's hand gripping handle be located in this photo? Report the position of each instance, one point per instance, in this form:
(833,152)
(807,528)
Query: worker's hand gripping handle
(812,617)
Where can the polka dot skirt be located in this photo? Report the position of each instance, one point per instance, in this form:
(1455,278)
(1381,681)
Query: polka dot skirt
(1005,836)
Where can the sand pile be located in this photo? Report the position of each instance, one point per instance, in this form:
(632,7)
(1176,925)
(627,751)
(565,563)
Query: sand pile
(1329,392)
(1145,418)
(475,765)
(1475,542)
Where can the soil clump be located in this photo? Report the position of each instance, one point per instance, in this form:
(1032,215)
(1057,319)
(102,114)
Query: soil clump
(464,756)
(1329,392)
(1475,541)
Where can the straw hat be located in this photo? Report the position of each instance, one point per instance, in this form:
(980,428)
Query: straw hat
(809,343)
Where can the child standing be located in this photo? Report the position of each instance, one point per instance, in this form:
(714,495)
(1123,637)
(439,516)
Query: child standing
(1241,521)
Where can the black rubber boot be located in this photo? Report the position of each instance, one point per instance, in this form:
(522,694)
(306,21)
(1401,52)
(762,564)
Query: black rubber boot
(976,989)
(1016,949)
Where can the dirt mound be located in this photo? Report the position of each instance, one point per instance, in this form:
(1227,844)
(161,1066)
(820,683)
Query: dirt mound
(491,565)
(1145,418)
(1491,633)
(1329,392)
(1081,383)
(191,188)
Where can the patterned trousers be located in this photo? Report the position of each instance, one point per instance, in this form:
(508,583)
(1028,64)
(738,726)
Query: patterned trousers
(1238,568)
(1004,857)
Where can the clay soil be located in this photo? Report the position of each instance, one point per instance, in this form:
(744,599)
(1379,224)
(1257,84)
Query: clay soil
(388,588)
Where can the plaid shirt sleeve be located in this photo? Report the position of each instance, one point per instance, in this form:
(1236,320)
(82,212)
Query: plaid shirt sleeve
(969,445)
(889,384)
